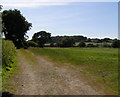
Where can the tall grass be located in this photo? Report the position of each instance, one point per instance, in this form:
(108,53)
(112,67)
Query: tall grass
(100,63)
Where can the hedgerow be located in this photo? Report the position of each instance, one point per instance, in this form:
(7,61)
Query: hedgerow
(8,54)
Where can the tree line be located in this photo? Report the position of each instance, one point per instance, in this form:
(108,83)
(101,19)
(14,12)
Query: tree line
(41,38)
(15,27)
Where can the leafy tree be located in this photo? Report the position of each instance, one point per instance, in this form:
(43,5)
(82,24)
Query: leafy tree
(106,44)
(106,40)
(90,45)
(15,27)
(88,40)
(56,39)
(79,38)
(41,38)
(52,45)
(96,40)
(116,43)
(67,41)
(58,44)
(32,44)
(81,44)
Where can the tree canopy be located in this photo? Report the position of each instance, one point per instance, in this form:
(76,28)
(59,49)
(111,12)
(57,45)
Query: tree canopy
(116,44)
(15,26)
(81,44)
(41,38)
(67,41)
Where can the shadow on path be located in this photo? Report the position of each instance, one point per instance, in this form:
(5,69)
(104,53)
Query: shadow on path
(7,94)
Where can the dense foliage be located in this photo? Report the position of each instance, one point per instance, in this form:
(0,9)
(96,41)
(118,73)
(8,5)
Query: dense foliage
(81,44)
(15,27)
(116,43)
(55,39)
(41,38)
(8,54)
(32,44)
(80,38)
(66,42)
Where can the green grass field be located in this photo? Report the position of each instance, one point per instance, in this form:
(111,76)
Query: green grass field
(100,63)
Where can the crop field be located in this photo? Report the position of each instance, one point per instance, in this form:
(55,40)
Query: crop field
(99,64)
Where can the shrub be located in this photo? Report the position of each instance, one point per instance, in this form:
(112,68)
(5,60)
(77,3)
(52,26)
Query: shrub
(106,45)
(90,45)
(67,41)
(52,45)
(81,44)
(116,43)
(97,45)
(8,53)
(58,44)
(32,44)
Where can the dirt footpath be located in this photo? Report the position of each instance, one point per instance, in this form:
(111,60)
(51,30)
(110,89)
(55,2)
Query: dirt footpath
(43,77)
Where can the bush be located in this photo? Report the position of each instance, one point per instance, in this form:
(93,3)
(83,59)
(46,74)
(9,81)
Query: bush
(106,45)
(52,45)
(90,45)
(97,45)
(67,41)
(58,44)
(81,44)
(32,44)
(8,53)
(116,43)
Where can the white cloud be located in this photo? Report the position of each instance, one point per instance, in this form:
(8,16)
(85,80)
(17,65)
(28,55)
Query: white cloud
(36,3)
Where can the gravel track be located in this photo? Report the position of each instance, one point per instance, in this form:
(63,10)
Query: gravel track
(44,77)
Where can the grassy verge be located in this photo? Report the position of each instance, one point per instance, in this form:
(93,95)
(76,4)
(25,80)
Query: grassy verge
(99,64)
(7,75)
(28,56)
(9,67)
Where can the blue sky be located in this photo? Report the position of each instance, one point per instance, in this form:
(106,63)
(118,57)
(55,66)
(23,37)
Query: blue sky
(90,19)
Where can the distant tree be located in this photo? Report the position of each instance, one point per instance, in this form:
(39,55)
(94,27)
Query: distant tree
(52,45)
(79,38)
(106,40)
(116,43)
(58,44)
(67,41)
(56,39)
(41,38)
(88,40)
(97,45)
(32,44)
(96,40)
(106,45)
(90,45)
(15,27)
(81,44)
